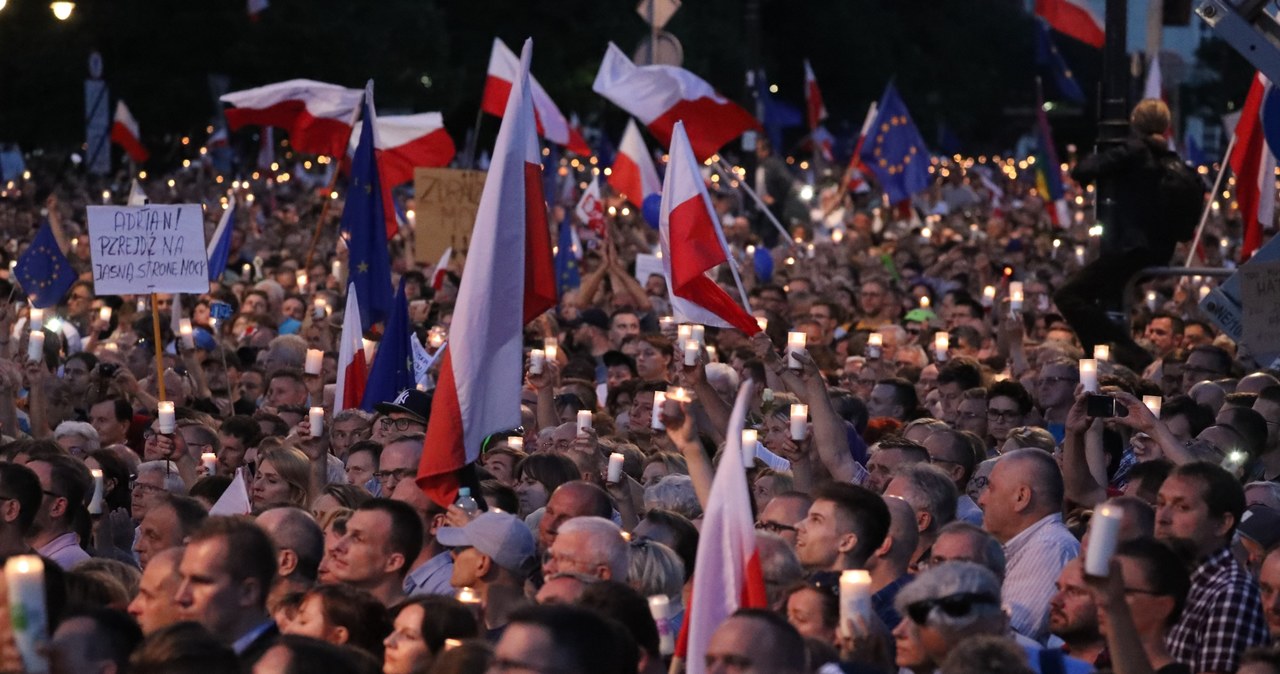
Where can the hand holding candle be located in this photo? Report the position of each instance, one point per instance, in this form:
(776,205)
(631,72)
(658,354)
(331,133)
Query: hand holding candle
(615,468)
(799,421)
(316,419)
(855,597)
(35,346)
(537,358)
(796,342)
(165,417)
(1015,296)
(584,421)
(941,344)
(210,462)
(875,345)
(95,504)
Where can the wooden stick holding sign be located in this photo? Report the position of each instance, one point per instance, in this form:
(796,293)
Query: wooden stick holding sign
(155,326)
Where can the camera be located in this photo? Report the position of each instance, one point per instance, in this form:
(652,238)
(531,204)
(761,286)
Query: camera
(108,370)
(1104,406)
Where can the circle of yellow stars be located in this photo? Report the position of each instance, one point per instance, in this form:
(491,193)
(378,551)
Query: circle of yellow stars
(900,166)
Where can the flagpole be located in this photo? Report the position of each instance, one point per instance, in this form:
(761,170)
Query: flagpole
(328,196)
(742,183)
(1213,196)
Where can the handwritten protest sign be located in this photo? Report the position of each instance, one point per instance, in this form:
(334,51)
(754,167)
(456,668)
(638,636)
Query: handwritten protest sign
(647,265)
(445,204)
(1260,290)
(145,249)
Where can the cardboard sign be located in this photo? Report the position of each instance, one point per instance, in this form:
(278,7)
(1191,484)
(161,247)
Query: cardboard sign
(648,265)
(1224,304)
(1260,289)
(446,201)
(146,249)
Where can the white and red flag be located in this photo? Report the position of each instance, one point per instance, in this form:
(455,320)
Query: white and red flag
(353,371)
(660,96)
(504,67)
(693,244)
(633,176)
(403,143)
(1074,19)
(124,132)
(1254,166)
(441,270)
(728,574)
(857,170)
(318,116)
(590,208)
(814,107)
(509,281)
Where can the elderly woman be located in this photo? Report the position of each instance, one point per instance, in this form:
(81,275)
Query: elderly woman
(79,438)
(674,493)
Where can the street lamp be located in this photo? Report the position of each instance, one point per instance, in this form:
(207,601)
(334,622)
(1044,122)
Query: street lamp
(62,10)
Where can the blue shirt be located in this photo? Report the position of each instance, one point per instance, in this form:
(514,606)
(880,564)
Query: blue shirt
(431,578)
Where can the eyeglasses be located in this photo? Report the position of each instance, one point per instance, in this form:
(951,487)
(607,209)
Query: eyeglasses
(400,424)
(956,606)
(774,527)
(1003,415)
(1056,380)
(938,560)
(398,474)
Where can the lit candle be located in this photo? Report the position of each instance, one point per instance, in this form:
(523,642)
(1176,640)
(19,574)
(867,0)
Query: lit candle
(837,235)
(106,196)
(615,468)
(699,333)
(436,337)
(1089,374)
(516,442)
(246,270)
(320,309)
(468,596)
(1079,254)
(659,399)
(665,323)
(1153,403)
(1015,296)
(799,421)
(855,596)
(317,421)
(684,332)
(875,342)
(168,422)
(37,318)
(1153,300)
(941,344)
(660,609)
(104,314)
(188,337)
(810,251)
(690,352)
(537,358)
(988,296)
(1104,530)
(584,421)
(551,348)
(24,575)
(762,322)
(1101,352)
(711,354)
(750,437)
(796,342)
(210,462)
(1204,292)
(35,346)
(337,269)
(751,250)
(95,503)
(315,361)
(450,644)
(370,347)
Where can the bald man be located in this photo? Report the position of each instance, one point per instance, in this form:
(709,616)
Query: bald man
(570,500)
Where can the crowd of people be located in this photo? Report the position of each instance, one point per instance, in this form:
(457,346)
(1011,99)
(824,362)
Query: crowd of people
(953,449)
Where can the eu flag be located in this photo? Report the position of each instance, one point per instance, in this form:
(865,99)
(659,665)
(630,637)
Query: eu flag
(568,275)
(392,370)
(894,150)
(776,114)
(44,272)
(364,225)
(1053,67)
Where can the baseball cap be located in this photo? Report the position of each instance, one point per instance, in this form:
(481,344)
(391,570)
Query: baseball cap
(501,537)
(410,401)
(1261,524)
(919,316)
(594,317)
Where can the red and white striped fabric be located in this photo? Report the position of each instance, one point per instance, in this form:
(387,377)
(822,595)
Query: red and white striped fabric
(693,244)
(124,132)
(405,142)
(504,67)
(441,270)
(857,170)
(633,176)
(1074,19)
(1255,168)
(813,98)
(728,575)
(318,116)
(660,96)
(353,371)
(509,281)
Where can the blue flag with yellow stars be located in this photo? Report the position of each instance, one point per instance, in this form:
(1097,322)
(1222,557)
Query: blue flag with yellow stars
(1053,67)
(364,225)
(568,276)
(392,369)
(894,150)
(44,272)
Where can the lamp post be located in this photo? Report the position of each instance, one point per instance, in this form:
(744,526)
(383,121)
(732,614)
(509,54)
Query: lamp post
(1113,124)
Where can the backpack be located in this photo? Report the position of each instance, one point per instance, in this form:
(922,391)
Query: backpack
(1181,194)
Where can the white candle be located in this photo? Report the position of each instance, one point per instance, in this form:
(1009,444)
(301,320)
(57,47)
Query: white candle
(924,302)
(875,342)
(450,644)
(468,596)
(370,348)
(1015,296)
(941,344)
(317,421)
(684,332)
(436,337)
(698,333)
(188,337)
(855,596)
(988,296)
(1204,292)
(1089,374)
(104,314)
(35,346)
(551,348)
(210,462)
(1153,300)
(1079,254)
(1104,530)
(106,196)
(516,442)
(659,399)
(750,437)
(245,270)
(796,342)
(37,318)
(837,235)
(320,309)
(665,323)
(615,468)
(537,358)
(690,352)
(1101,352)
(660,609)
(168,422)
(799,421)
(95,503)
(315,361)
(584,421)
(302,280)
(762,322)
(711,354)
(24,575)
(1153,403)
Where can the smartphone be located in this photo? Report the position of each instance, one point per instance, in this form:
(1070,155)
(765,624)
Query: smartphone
(1104,406)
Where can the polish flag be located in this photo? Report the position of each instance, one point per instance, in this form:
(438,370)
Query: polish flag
(728,575)
(633,175)
(441,270)
(405,142)
(1255,168)
(693,244)
(1074,19)
(510,280)
(353,371)
(504,68)
(813,98)
(318,116)
(590,208)
(1154,86)
(124,132)
(660,96)
(857,170)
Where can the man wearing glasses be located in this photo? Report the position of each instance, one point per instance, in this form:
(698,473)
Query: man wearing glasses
(66,484)
(408,413)
(399,461)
